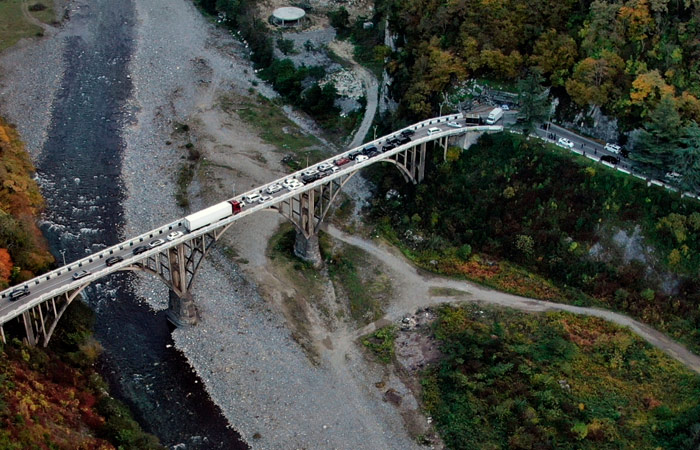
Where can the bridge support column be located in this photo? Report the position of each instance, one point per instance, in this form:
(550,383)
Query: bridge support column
(29,328)
(181,309)
(307,248)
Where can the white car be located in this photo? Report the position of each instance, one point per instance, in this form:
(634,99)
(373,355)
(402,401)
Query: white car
(324,166)
(672,176)
(264,198)
(433,130)
(309,172)
(564,142)
(612,148)
(252,198)
(360,158)
(156,243)
(505,107)
(271,189)
(454,125)
(174,235)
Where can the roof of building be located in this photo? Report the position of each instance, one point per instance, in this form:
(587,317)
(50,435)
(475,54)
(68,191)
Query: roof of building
(288,13)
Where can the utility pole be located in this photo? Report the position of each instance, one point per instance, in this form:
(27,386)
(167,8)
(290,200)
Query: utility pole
(375,132)
(63,253)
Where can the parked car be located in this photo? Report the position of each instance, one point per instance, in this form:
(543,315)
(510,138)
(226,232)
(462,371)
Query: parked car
(505,107)
(564,142)
(610,159)
(174,235)
(341,161)
(454,125)
(140,249)
(612,148)
(19,293)
(112,260)
(81,274)
(156,243)
(361,158)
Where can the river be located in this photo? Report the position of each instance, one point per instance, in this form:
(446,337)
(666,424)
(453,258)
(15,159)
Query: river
(80,174)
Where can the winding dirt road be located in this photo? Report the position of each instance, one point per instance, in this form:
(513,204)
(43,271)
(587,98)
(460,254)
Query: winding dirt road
(415,292)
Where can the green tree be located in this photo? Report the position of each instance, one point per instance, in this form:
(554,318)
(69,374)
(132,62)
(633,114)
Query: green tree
(659,141)
(688,158)
(533,98)
(555,55)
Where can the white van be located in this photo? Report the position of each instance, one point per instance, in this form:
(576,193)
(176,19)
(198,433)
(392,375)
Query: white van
(252,198)
(433,130)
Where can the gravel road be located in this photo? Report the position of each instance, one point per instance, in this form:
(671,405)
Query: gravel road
(416,287)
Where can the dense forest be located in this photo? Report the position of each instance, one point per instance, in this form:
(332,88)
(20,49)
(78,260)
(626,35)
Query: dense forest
(23,249)
(555,381)
(523,217)
(620,56)
(54,399)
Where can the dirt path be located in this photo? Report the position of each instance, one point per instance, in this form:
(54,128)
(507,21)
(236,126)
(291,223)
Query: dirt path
(414,291)
(344,50)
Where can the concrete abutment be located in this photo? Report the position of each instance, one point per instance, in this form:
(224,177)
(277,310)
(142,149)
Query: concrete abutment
(308,248)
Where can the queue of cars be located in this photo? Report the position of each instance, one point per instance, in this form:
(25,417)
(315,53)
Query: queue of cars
(291,183)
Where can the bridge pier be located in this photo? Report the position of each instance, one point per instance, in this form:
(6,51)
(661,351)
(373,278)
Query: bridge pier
(181,309)
(307,248)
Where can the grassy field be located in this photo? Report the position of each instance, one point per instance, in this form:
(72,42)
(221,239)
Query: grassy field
(14,26)
(276,129)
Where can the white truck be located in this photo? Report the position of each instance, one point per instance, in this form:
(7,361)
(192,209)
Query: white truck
(494,116)
(207,216)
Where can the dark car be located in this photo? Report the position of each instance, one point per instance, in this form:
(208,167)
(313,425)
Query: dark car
(404,140)
(369,149)
(353,155)
(408,132)
(112,260)
(625,153)
(140,249)
(310,178)
(610,159)
(19,293)
(388,146)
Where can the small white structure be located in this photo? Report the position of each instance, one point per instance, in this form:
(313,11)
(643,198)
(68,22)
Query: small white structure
(288,16)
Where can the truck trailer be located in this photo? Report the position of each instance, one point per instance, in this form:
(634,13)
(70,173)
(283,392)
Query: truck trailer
(208,216)
(494,116)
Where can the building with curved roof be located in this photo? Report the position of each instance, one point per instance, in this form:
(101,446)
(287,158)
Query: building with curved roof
(288,16)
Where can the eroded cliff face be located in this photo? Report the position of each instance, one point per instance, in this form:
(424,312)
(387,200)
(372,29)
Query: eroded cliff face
(23,249)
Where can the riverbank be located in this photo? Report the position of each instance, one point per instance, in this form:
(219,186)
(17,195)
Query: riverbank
(248,359)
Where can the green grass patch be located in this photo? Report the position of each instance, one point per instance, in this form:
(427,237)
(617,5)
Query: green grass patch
(381,343)
(184,178)
(42,10)
(13,25)
(522,381)
(366,287)
(448,292)
(275,128)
